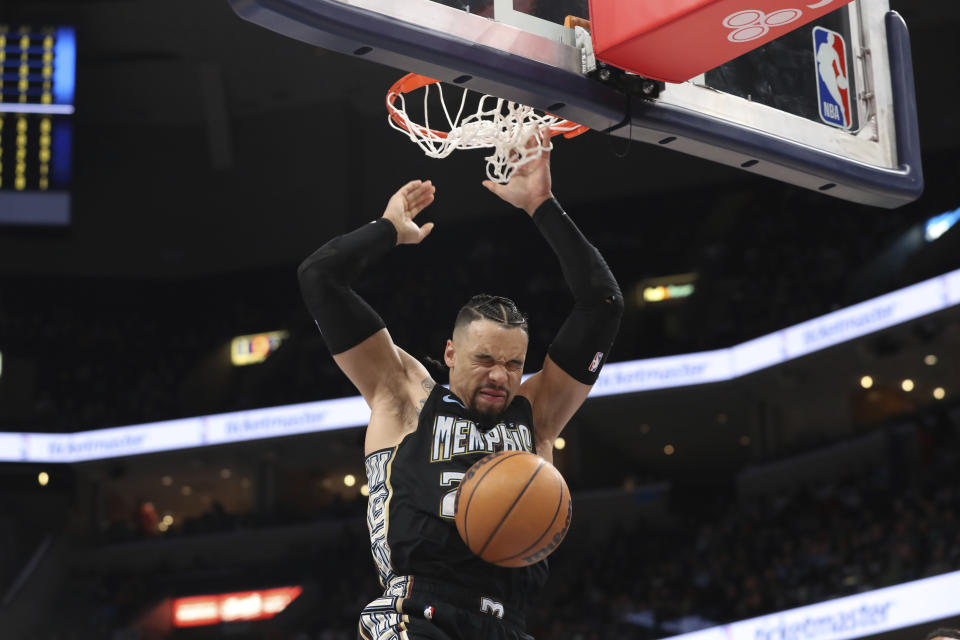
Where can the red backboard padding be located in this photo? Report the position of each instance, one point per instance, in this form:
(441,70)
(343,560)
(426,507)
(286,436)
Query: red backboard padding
(675,40)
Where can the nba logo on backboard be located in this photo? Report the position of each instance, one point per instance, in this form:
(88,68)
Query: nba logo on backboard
(833,86)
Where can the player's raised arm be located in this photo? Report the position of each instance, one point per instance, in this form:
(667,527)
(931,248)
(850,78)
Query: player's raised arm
(583,342)
(353,331)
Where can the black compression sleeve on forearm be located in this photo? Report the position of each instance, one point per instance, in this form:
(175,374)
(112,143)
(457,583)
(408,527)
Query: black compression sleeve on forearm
(583,342)
(344,318)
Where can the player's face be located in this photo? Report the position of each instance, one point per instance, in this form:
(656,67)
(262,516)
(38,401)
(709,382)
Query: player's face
(486,364)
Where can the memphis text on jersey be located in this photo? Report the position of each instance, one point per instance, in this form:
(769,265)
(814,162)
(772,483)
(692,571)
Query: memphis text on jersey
(454,436)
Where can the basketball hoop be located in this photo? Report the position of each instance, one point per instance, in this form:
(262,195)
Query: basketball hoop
(500,124)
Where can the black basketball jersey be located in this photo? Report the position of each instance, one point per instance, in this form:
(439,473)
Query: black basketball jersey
(413,486)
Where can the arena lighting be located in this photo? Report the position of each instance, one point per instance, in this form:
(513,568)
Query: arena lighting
(668,292)
(195,611)
(665,288)
(858,616)
(255,348)
(634,376)
(939,225)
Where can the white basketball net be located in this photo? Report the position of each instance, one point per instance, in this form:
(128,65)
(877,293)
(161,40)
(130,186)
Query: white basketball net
(500,124)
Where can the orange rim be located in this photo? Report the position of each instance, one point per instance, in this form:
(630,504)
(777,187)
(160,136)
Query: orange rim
(406,84)
(414,81)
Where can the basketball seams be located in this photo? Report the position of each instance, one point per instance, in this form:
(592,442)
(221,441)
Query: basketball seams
(476,485)
(504,527)
(510,509)
(556,514)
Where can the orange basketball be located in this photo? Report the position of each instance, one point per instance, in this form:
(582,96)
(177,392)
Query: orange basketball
(513,508)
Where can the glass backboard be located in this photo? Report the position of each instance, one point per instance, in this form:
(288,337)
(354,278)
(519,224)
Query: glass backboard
(768,112)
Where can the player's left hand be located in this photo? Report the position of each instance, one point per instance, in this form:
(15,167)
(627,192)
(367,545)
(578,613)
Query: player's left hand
(403,207)
(530,185)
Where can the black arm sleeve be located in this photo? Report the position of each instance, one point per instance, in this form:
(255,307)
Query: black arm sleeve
(584,341)
(344,318)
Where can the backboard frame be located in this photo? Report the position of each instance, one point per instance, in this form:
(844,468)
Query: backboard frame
(535,64)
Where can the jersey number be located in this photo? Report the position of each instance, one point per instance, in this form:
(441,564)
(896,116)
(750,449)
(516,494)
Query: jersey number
(448,502)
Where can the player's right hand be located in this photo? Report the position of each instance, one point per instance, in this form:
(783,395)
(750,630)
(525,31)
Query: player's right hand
(403,207)
(530,184)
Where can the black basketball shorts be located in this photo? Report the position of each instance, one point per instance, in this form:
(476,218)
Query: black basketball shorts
(414,608)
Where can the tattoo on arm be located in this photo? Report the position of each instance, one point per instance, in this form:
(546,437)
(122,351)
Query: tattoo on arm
(428,384)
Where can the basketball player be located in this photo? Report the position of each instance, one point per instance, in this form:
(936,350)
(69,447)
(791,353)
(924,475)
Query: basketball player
(422,437)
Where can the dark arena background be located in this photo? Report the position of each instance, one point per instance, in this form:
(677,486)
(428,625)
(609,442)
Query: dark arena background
(169,467)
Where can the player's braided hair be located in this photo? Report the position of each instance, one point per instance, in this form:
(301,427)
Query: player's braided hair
(496,308)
